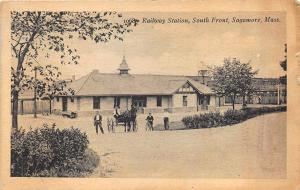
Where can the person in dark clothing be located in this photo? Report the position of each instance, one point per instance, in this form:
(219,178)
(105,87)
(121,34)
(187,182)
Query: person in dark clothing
(166,123)
(150,120)
(133,115)
(166,120)
(133,110)
(98,122)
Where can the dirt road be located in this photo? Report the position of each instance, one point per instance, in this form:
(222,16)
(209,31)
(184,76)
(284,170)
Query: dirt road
(255,148)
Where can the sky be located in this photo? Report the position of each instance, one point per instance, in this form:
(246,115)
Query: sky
(183,49)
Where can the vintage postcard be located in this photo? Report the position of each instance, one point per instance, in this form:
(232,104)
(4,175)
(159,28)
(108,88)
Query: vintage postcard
(150,94)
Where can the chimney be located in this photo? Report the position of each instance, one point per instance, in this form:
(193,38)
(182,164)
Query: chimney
(203,72)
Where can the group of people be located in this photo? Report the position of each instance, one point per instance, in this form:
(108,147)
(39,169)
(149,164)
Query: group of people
(149,121)
(98,123)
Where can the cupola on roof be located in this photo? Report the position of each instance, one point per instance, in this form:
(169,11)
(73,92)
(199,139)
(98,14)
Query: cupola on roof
(123,68)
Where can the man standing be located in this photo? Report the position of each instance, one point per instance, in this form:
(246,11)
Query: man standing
(166,120)
(133,111)
(98,122)
(150,121)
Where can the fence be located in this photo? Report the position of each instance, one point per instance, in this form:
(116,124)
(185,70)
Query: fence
(27,107)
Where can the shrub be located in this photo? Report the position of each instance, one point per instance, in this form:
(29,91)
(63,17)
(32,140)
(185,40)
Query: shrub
(230,117)
(49,151)
(187,121)
(252,112)
(205,120)
(234,116)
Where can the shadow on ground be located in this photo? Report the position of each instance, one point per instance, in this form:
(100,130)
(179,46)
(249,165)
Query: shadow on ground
(175,125)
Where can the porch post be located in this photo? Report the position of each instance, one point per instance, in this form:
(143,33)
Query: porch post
(197,102)
(205,102)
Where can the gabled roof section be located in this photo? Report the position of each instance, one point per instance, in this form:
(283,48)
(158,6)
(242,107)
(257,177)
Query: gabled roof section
(202,89)
(198,87)
(106,84)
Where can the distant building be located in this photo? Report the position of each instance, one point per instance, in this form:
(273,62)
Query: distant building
(148,93)
(267,90)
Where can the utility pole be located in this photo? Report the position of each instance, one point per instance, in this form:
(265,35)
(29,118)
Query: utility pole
(35,91)
(203,71)
(35,86)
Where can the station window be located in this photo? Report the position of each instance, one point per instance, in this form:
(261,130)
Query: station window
(96,102)
(184,101)
(158,101)
(117,102)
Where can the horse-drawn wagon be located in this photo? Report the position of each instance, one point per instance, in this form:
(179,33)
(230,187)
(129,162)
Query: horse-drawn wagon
(126,119)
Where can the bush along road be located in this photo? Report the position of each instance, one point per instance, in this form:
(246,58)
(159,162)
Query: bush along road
(230,117)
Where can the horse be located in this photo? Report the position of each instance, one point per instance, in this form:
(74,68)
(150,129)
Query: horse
(127,117)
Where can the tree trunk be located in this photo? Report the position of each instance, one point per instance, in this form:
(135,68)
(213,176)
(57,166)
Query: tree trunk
(244,101)
(15,110)
(34,108)
(22,107)
(21,58)
(233,101)
(35,87)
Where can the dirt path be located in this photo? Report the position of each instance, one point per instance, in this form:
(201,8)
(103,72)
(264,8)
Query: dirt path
(255,148)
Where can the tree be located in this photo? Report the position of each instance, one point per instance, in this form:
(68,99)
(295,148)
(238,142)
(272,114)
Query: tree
(54,88)
(233,79)
(49,84)
(283,64)
(36,33)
